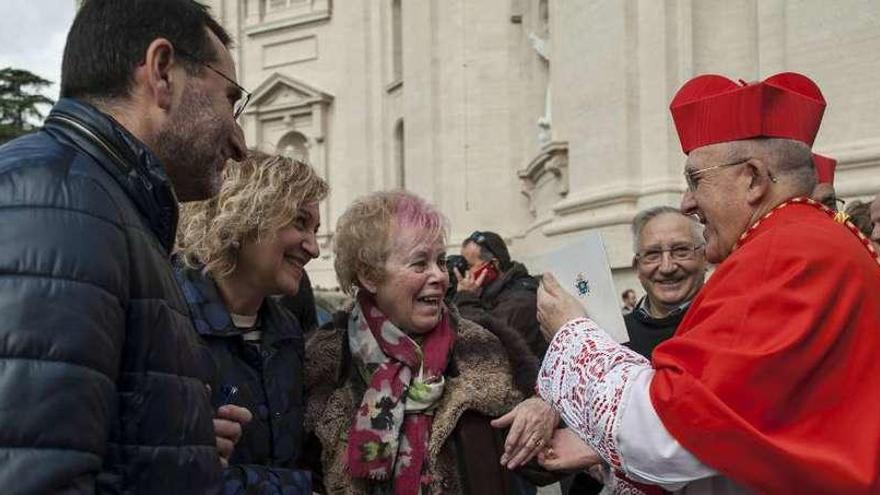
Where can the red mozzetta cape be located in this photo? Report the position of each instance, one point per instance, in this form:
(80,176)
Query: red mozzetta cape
(773,377)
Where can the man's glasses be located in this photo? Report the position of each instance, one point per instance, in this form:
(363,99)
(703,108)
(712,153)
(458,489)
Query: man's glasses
(246,95)
(677,253)
(693,176)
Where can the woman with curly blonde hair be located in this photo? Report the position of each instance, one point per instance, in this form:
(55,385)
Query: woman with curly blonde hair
(250,242)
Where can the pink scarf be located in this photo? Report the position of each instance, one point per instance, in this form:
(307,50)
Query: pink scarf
(391,428)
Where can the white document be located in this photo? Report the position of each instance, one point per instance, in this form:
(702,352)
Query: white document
(582,268)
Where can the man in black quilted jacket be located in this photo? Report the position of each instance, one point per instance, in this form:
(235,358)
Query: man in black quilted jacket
(101,390)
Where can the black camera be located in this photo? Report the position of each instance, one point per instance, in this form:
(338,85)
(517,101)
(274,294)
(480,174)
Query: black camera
(455,262)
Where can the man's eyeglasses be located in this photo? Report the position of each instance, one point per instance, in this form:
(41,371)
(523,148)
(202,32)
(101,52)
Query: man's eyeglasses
(246,95)
(693,176)
(677,253)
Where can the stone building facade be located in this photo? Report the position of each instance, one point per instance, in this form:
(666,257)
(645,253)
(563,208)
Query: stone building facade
(539,119)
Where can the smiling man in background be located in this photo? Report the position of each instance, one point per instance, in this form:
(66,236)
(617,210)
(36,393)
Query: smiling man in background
(671,265)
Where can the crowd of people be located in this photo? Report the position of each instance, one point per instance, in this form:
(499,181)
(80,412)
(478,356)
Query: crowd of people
(152,341)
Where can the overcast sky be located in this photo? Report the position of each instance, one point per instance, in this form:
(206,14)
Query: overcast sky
(32,34)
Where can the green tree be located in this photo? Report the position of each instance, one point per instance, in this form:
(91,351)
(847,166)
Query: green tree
(20,102)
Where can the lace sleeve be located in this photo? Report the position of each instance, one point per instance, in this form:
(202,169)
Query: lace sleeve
(584,376)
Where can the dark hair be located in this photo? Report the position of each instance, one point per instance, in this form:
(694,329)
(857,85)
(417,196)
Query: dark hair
(627,292)
(109,39)
(492,247)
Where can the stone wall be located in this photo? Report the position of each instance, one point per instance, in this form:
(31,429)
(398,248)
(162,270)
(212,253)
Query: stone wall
(539,119)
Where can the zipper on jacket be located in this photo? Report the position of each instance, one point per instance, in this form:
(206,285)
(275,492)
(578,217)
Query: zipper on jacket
(77,126)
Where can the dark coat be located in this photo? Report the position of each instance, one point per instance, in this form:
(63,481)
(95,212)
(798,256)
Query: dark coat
(511,298)
(463,449)
(646,332)
(523,363)
(269,383)
(100,385)
(302,305)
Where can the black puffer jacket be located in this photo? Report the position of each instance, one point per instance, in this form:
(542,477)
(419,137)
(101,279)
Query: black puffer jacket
(268,381)
(100,385)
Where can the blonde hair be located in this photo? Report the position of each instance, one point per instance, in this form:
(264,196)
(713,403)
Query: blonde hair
(363,233)
(258,197)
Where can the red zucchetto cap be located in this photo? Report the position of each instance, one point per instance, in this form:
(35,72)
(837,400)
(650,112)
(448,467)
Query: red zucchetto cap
(824,168)
(711,109)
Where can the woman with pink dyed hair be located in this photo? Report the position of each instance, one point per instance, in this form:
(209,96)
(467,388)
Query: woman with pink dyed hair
(401,390)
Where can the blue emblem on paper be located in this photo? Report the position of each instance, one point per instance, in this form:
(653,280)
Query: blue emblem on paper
(582,285)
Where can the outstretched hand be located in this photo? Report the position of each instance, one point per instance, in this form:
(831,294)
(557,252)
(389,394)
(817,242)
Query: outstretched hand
(556,307)
(531,423)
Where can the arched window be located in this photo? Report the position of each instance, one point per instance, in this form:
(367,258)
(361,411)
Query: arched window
(396,40)
(294,145)
(399,155)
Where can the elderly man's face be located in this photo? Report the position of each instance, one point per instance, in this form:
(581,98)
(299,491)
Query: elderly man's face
(679,273)
(719,200)
(875,222)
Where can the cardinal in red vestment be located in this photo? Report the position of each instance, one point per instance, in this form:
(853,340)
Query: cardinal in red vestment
(771,382)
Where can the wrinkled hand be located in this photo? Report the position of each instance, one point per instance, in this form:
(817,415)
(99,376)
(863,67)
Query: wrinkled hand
(556,307)
(567,453)
(532,423)
(227,429)
(467,282)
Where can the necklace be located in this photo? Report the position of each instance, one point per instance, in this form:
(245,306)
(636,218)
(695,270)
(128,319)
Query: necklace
(838,217)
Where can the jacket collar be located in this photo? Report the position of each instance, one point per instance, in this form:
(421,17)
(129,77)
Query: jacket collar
(515,272)
(131,164)
(211,318)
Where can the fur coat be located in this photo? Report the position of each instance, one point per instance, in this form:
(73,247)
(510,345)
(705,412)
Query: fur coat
(478,380)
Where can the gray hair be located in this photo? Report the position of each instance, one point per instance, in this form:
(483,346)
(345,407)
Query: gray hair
(643,217)
(860,215)
(784,157)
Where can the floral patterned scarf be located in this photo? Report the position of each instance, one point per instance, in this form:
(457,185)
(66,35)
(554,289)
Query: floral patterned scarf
(390,431)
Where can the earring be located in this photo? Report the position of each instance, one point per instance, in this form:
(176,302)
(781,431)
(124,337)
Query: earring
(236,245)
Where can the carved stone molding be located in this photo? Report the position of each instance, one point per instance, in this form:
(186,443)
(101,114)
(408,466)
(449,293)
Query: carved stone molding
(553,160)
(283,107)
(261,19)
(280,94)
